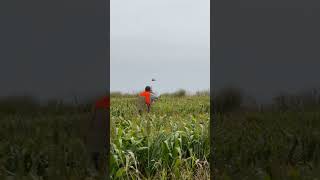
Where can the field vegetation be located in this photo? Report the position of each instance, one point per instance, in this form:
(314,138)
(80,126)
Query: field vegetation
(171,142)
(279,140)
(46,141)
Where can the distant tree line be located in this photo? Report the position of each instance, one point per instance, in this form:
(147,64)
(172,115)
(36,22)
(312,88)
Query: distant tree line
(226,100)
(231,99)
(178,93)
(27,104)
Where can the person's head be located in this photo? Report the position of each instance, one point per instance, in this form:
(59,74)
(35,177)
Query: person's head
(148,88)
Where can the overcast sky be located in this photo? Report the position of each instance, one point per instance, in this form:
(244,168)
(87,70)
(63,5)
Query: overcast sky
(53,49)
(166,40)
(266,47)
(59,48)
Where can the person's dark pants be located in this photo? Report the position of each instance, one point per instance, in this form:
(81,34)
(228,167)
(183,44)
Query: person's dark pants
(100,163)
(148,106)
(96,160)
(148,109)
(98,140)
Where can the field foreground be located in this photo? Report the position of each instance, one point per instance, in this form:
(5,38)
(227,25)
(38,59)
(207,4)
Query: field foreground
(267,145)
(171,142)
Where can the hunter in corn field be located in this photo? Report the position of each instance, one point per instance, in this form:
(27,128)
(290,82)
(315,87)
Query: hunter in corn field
(97,140)
(146,99)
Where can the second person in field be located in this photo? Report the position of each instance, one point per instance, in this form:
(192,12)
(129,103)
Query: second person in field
(146,98)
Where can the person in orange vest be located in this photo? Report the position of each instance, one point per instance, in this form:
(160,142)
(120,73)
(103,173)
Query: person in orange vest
(146,98)
(98,136)
(146,94)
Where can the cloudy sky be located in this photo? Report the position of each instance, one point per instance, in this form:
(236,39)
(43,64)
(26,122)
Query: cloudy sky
(53,49)
(59,48)
(166,40)
(266,47)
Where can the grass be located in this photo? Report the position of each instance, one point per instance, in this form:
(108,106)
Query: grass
(171,142)
(47,142)
(267,145)
(39,147)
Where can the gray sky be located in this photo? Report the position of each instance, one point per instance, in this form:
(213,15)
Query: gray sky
(53,49)
(59,48)
(266,47)
(168,40)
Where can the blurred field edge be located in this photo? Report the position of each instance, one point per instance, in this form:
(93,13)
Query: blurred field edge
(212,118)
(55,67)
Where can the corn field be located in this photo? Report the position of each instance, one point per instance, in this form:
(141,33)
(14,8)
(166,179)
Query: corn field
(42,143)
(43,146)
(171,142)
(267,145)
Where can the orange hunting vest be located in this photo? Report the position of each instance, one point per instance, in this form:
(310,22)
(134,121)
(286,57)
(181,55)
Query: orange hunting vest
(103,103)
(147,96)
